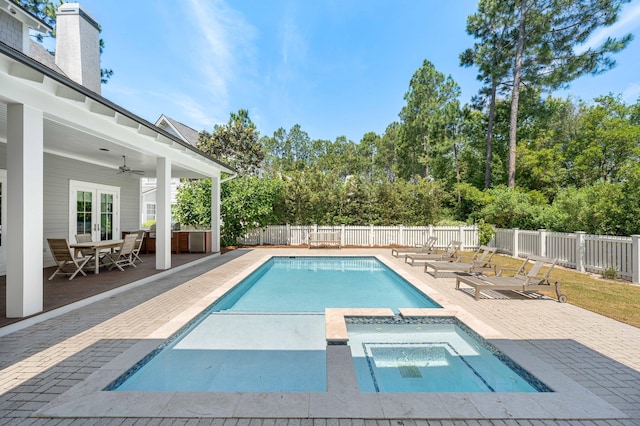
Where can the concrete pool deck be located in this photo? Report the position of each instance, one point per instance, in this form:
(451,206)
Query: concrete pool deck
(49,371)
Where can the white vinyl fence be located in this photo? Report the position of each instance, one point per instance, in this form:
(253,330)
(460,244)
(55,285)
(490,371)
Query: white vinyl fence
(365,236)
(580,251)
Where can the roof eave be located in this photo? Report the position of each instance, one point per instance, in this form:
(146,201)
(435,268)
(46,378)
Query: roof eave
(32,21)
(48,72)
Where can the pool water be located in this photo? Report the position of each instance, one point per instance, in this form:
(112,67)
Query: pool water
(239,353)
(268,335)
(436,357)
(311,284)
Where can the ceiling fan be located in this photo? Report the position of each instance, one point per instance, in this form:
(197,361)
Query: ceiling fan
(126,169)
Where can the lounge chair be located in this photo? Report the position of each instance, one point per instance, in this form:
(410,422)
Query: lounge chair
(427,247)
(481,261)
(450,253)
(124,256)
(533,280)
(67,263)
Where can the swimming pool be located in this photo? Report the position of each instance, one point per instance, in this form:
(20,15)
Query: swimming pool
(431,355)
(268,335)
(311,284)
(268,332)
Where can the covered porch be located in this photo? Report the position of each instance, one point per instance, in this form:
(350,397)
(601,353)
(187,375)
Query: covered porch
(61,174)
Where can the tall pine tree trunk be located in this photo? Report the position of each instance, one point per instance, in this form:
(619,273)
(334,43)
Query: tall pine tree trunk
(492,113)
(515,97)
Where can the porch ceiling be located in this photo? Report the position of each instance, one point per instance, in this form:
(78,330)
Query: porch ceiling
(80,144)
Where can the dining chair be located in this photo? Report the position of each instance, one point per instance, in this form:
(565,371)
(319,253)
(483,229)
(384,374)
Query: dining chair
(124,256)
(67,263)
(139,240)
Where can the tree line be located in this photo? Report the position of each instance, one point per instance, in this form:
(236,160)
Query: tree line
(443,162)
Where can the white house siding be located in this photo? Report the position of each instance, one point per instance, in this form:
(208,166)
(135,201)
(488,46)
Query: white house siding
(10,31)
(58,171)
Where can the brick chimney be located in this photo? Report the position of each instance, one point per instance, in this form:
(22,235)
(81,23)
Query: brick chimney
(78,45)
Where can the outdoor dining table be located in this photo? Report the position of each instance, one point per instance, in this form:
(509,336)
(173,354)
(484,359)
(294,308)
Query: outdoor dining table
(97,247)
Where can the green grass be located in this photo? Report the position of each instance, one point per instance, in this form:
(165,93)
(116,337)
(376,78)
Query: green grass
(619,300)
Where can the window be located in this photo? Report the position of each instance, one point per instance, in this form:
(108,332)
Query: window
(151,212)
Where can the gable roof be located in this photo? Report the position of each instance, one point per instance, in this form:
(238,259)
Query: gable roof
(188,134)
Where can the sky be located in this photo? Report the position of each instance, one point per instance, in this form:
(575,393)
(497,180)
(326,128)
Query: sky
(335,67)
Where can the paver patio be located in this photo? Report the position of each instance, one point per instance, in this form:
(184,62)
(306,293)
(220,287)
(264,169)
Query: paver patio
(41,362)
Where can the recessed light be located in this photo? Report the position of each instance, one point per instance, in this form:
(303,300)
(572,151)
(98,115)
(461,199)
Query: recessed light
(104,149)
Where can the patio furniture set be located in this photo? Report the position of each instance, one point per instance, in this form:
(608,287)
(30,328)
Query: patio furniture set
(74,259)
(479,272)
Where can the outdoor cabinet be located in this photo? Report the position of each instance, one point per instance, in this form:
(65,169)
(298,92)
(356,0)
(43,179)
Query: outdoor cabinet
(181,242)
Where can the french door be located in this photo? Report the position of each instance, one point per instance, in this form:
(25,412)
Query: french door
(94,209)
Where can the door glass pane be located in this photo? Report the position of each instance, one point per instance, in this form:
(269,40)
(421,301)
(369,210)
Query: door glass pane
(106,216)
(83,212)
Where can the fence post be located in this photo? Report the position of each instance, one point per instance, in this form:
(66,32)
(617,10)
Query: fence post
(371,235)
(516,252)
(288,234)
(431,235)
(543,242)
(635,262)
(261,237)
(461,237)
(580,250)
(342,238)
(400,235)
(476,236)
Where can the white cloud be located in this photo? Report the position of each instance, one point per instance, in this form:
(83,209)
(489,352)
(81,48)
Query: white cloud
(628,19)
(631,93)
(223,48)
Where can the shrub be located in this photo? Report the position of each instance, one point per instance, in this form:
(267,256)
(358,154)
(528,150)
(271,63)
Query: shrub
(485,233)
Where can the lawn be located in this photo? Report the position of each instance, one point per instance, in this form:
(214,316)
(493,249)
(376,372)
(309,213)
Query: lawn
(617,299)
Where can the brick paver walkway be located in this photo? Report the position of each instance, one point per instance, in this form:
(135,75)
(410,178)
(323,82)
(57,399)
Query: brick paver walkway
(41,362)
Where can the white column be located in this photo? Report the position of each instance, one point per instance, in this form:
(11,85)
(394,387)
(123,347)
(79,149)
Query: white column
(163,213)
(635,261)
(215,214)
(24,228)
